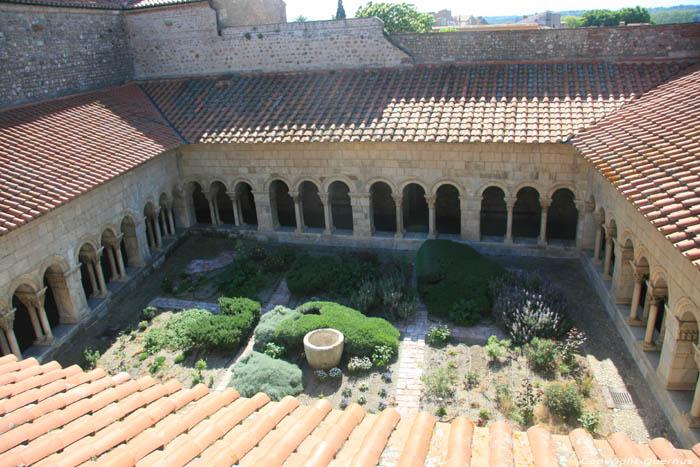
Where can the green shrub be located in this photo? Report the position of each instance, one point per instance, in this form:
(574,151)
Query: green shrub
(179,359)
(257,372)
(496,349)
(542,354)
(269,322)
(381,356)
(392,293)
(590,421)
(233,306)
(484,415)
(453,277)
(148,313)
(143,356)
(90,358)
(282,260)
(563,400)
(440,382)
(156,365)
(362,334)
(242,278)
(327,275)
(438,335)
(273,350)
(471,380)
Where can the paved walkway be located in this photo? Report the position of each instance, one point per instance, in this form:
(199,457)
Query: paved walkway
(176,304)
(411,358)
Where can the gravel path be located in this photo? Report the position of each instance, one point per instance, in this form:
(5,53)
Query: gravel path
(411,358)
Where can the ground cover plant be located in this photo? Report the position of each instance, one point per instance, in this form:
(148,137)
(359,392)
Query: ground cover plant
(331,276)
(257,372)
(453,280)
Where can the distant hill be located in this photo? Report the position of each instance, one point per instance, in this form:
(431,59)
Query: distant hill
(659,15)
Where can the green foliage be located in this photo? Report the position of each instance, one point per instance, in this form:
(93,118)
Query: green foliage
(148,313)
(347,392)
(600,18)
(329,275)
(157,365)
(572,21)
(362,400)
(242,278)
(497,349)
(675,16)
(526,400)
(381,356)
(438,335)
(441,411)
(279,261)
(397,17)
(454,278)
(273,350)
(563,400)
(572,345)
(357,364)
(179,359)
(484,415)
(448,29)
(440,382)
(269,322)
(362,334)
(590,421)
(392,293)
(634,15)
(143,356)
(471,380)
(585,383)
(234,306)
(166,285)
(90,358)
(504,397)
(542,354)
(340,12)
(201,365)
(257,372)
(301,19)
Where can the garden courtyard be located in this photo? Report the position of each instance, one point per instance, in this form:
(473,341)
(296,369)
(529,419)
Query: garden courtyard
(418,333)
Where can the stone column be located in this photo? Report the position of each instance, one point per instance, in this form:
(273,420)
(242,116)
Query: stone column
(92,277)
(582,209)
(298,213)
(114,251)
(327,213)
(235,205)
(182,197)
(510,202)
(156,229)
(651,321)
(112,263)
(694,416)
(362,218)
(264,211)
(639,277)
(76,302)
(398,200)
(171,221)
(544,205)
(7,319)
(41,311)
(163,222)
(597,245)
(29,300)
(470,217)
(212,208)
(431,216)
(608,257)
(92,260)
(4,345)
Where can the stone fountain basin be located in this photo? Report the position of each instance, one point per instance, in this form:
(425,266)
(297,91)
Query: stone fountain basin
(324,348)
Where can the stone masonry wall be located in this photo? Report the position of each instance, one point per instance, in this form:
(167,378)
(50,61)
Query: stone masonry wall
(48,52)
(183,40)
(628,43)
(245,12)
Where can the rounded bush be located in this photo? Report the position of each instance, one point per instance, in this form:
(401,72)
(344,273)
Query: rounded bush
(563,400)
(233,306)
(257,372)
(269,322)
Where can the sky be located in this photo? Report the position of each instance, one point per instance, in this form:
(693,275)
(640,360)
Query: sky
(325,9)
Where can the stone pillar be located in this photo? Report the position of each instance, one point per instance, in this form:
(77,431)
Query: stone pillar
(41,311)
(7,319)
(608,258)
(34,303)
(623,274)
(648,344)
(544,205)
(4,345)
(112,263)
(362,218)
(639,277)
(182,197)
(212,208)
(235,205)
(69,295)
(92,260)
(93,278)
(470,218)
(510,202)
(120,260)
(583,209)
(677,368)
(149,232)
(298,213)
(398,200)
(431,216)
(263,210)
(163,222)
(327,213)
(171,221)
(597,244)
(156,229)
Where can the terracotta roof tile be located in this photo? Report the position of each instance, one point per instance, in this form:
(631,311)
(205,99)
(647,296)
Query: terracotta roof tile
(101,4)
(660,132)
(515,102)
(54,151)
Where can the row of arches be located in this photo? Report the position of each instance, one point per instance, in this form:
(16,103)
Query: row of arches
(37,307)
(406,210)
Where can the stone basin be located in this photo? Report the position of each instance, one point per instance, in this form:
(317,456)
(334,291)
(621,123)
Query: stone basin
(324,348)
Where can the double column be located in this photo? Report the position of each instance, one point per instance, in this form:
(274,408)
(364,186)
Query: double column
(510,203)
(656,299)
(598,238)
(8,341)
(34,302)
(155,239)
(640,274)
(213,211)
(298,213)
(327,213)
(167,224)
(609,235)
(97,280)
(398,200)
(544,205)
(235,203)
(116,261)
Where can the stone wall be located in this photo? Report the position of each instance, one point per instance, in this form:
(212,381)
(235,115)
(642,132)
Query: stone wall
(628,43)
(49,52)
(183,40)
(246,12)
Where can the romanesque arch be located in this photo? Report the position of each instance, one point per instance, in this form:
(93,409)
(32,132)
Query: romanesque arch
(383,207)
(223,207)
(167,215)
(59,304)
(311,205)
(494,213)
(200,203)
(281,205)
(658,297)
(414,208)
(130,243)
(111,262)
(246,203)
(447,209)
(562,215)
(93,280)
(527,213)
(153,233)
(31,325)
(340,205)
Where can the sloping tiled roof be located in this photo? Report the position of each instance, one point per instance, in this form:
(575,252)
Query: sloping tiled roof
(545,103)
(56,416)
(650,151)
(102,4)
(54,151)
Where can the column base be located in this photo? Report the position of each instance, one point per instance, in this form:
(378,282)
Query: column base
(636,322)
(508,241)
(431,236)
(649,347)
(45,342)
(398,235)
(542,243)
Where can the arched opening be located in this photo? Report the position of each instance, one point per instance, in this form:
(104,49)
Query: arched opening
(414,208)
(643,307)
(153,233)
(24,324)
(562,216)
(311,206)
(447,210)
(626,281)
(610,238)
(600,246)
(222,203)
(383,207)
(246,203)
(57,301)
(527,213)
(494,213)
(130,243)
(88,272)
(341,208)
(200,204)
(108,262)
(282,205)
(653,336)
(167,222)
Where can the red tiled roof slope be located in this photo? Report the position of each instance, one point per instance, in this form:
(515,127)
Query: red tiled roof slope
(545,103)
(54,151)
(101,4)
(650,151)
(56,416)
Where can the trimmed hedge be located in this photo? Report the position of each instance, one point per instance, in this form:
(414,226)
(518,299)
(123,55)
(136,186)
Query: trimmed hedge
(362,334)
(234,306)
(257,372)
(329,275)
(269,322)
(453,280)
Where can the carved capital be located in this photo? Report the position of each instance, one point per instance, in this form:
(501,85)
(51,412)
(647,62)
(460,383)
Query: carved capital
(32,299)
(430,200)
(545,203)
(178,192)
(398,199)
(687,331)
(610,232)
(510,202)
(7,319)
(324,198)
(231,195)
(588,206)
